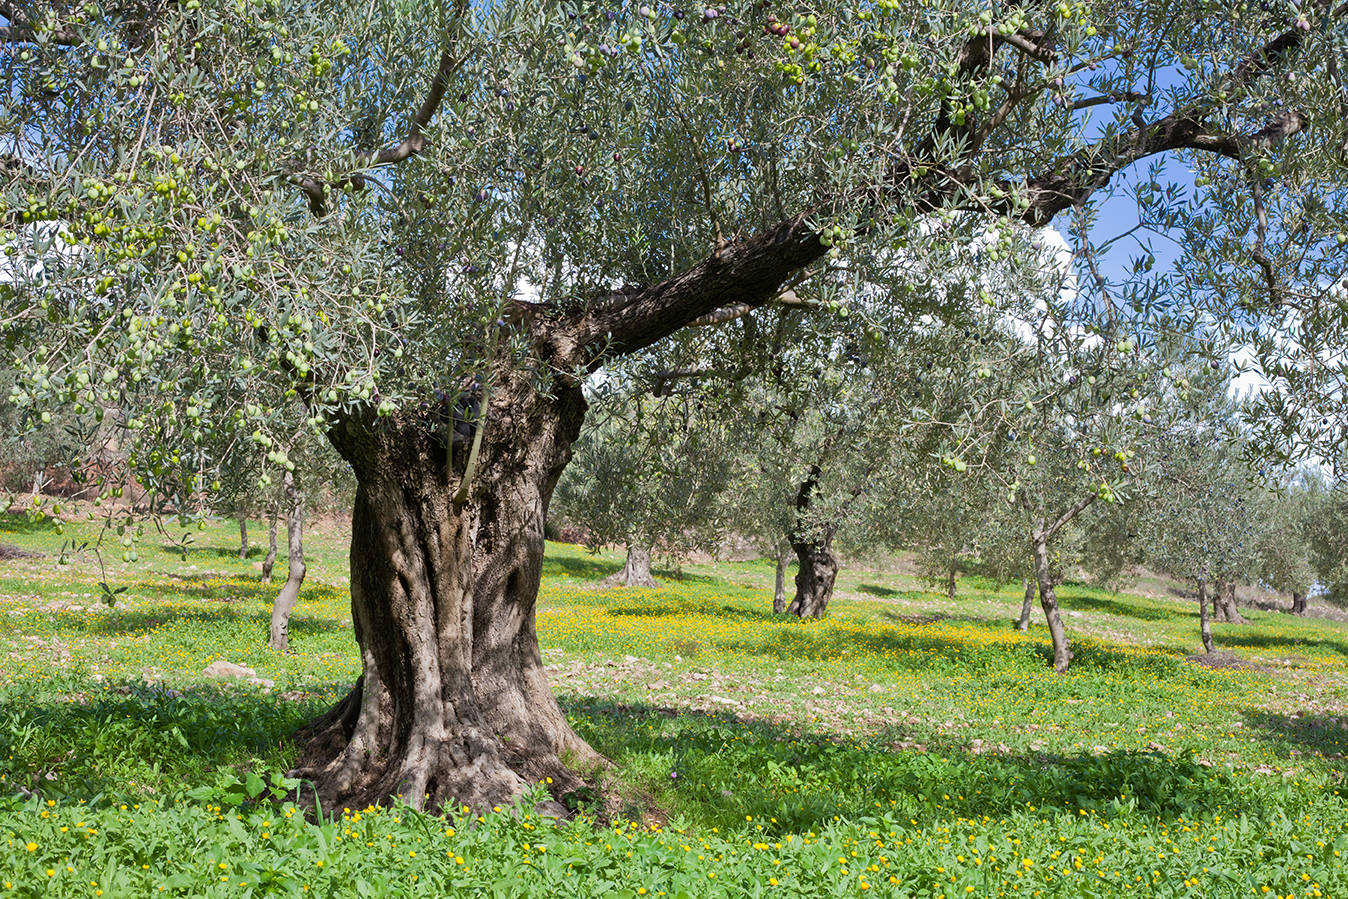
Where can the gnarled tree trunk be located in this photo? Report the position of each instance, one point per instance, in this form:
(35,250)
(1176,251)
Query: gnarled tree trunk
(637,569)
(814,581)
(279,636)
(454,704)
(813,546)
(1298,603)
(1023,625)
(1225,601)
(1204,618)
(952,580)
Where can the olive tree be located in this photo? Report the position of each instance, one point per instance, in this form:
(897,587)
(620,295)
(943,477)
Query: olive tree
(1282,545)
(430,222)
(648,475)
(1323,513)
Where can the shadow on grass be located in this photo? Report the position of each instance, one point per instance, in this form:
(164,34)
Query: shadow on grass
(663,610)
(930,617)
(72,741)
(883,592)
(592,568)
(1324,735)
(130,622)
(19,523)
(242,588)
(1077,603)
(1237,636)
(720,769)
(219,552)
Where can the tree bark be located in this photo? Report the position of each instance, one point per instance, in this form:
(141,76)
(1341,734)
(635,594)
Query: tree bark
(1040,534)
(814,581)
(1298,603)
(270,561)
(814,551)
(1204,619)
(951,581)
(779,587)
(1023,625)
(243,537)
(279,636)
(637,569)
(453,706)
(1048,599)
(1225,601)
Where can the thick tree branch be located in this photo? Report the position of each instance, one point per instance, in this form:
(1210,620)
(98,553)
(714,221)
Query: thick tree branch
(730,313)
(746,274)
(1072,179)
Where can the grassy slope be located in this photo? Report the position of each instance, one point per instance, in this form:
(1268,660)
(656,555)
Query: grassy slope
(906,737)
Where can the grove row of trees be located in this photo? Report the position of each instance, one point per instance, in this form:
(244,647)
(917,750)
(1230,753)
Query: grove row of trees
(1095,476)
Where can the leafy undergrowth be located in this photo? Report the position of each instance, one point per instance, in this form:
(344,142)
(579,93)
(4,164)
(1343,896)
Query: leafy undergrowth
(907,745)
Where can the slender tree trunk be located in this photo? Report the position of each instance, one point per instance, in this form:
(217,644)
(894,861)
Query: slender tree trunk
(637,569)
(270,561)
(1225,600)
(951,581)
(279,638)
(453,706)
(1040,535)
(1048,599)
(1298,603)
(243,536)
(1023,625)
(1204,619)
(779,587)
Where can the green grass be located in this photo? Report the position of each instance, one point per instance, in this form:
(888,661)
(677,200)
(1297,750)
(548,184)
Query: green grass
(908,745)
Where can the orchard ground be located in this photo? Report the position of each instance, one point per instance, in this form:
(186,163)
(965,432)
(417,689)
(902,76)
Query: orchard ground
(908,745)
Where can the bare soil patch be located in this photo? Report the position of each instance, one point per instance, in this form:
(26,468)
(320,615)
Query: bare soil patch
(1223,660)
